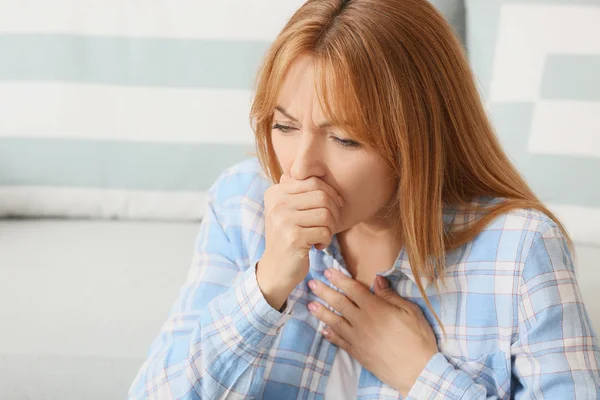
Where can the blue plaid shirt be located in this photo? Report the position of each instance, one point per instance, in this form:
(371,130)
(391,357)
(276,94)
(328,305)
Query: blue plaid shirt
(515,321)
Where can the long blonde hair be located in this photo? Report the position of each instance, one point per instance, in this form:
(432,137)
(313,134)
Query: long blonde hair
(395,77)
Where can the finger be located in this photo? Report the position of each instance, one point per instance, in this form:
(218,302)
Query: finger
(313,200)
(336,339)
(390,295)
(352,288)
(316,217)
(335,299)
(293,186)
(316,235)
(336,322)
(320,246)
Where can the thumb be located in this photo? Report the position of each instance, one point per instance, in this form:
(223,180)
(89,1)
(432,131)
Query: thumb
(383,289)
(381,285)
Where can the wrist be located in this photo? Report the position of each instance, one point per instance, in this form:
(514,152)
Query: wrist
(274,292)
(405,385)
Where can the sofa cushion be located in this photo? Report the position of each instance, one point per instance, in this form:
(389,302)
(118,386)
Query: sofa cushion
(83,300)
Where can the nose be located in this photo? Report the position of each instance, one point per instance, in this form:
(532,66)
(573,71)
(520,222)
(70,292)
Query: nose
(308,159)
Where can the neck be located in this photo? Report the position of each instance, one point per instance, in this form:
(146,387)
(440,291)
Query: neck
(380,228)
(368,249)
(365,235)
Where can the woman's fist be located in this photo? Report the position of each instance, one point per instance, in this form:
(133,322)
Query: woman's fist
(298,215)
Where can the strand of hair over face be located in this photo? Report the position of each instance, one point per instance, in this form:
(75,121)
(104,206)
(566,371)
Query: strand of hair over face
(396,70)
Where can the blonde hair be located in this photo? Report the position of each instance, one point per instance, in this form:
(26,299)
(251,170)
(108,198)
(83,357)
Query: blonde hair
(394,76)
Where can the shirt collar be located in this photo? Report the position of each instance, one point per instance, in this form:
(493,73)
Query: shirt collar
(402,263)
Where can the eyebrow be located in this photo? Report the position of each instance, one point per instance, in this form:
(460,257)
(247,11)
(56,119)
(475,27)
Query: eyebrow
(287,115)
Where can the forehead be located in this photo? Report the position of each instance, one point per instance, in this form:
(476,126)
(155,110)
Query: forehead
(318,90)
(298,90)
(300,70)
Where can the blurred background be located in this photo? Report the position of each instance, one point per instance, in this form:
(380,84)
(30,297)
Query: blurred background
(116,116)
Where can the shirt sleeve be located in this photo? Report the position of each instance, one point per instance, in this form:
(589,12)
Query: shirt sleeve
(213,342)
(556,354)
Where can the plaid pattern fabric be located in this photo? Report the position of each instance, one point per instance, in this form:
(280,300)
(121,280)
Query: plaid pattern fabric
(515,321)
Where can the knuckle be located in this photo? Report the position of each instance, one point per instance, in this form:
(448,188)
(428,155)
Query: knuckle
(314,183)
(344,304)
(273,208)
(332,203)
(270,194)
(337,324)
(324,232)
(354,286)
(327,217)
(322,197)
(323,213)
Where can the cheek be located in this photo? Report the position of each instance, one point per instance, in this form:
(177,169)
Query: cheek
(356,191)
(370,191)
(283,151)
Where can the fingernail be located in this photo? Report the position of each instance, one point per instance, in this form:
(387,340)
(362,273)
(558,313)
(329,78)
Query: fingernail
(340,201)
(328,273)
(312,307)
(383,283)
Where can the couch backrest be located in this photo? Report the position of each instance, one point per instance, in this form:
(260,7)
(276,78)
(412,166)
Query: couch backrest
(537,64)
(129,109)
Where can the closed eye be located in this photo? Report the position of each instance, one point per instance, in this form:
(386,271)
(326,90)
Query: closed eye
(341,142)
(346,142)
(283,128)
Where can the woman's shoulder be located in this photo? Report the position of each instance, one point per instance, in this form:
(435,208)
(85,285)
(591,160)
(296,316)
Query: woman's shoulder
(244,182)
(512,235)
(514,220)
(236,202)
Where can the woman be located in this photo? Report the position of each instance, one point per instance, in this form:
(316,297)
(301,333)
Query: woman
(382,245)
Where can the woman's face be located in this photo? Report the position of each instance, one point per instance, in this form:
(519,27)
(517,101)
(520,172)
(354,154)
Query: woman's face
(305,146)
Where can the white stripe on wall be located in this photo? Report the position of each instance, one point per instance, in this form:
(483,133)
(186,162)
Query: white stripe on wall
(31,201)
(222,19)
(128,113)
(583,223)
(565,127)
